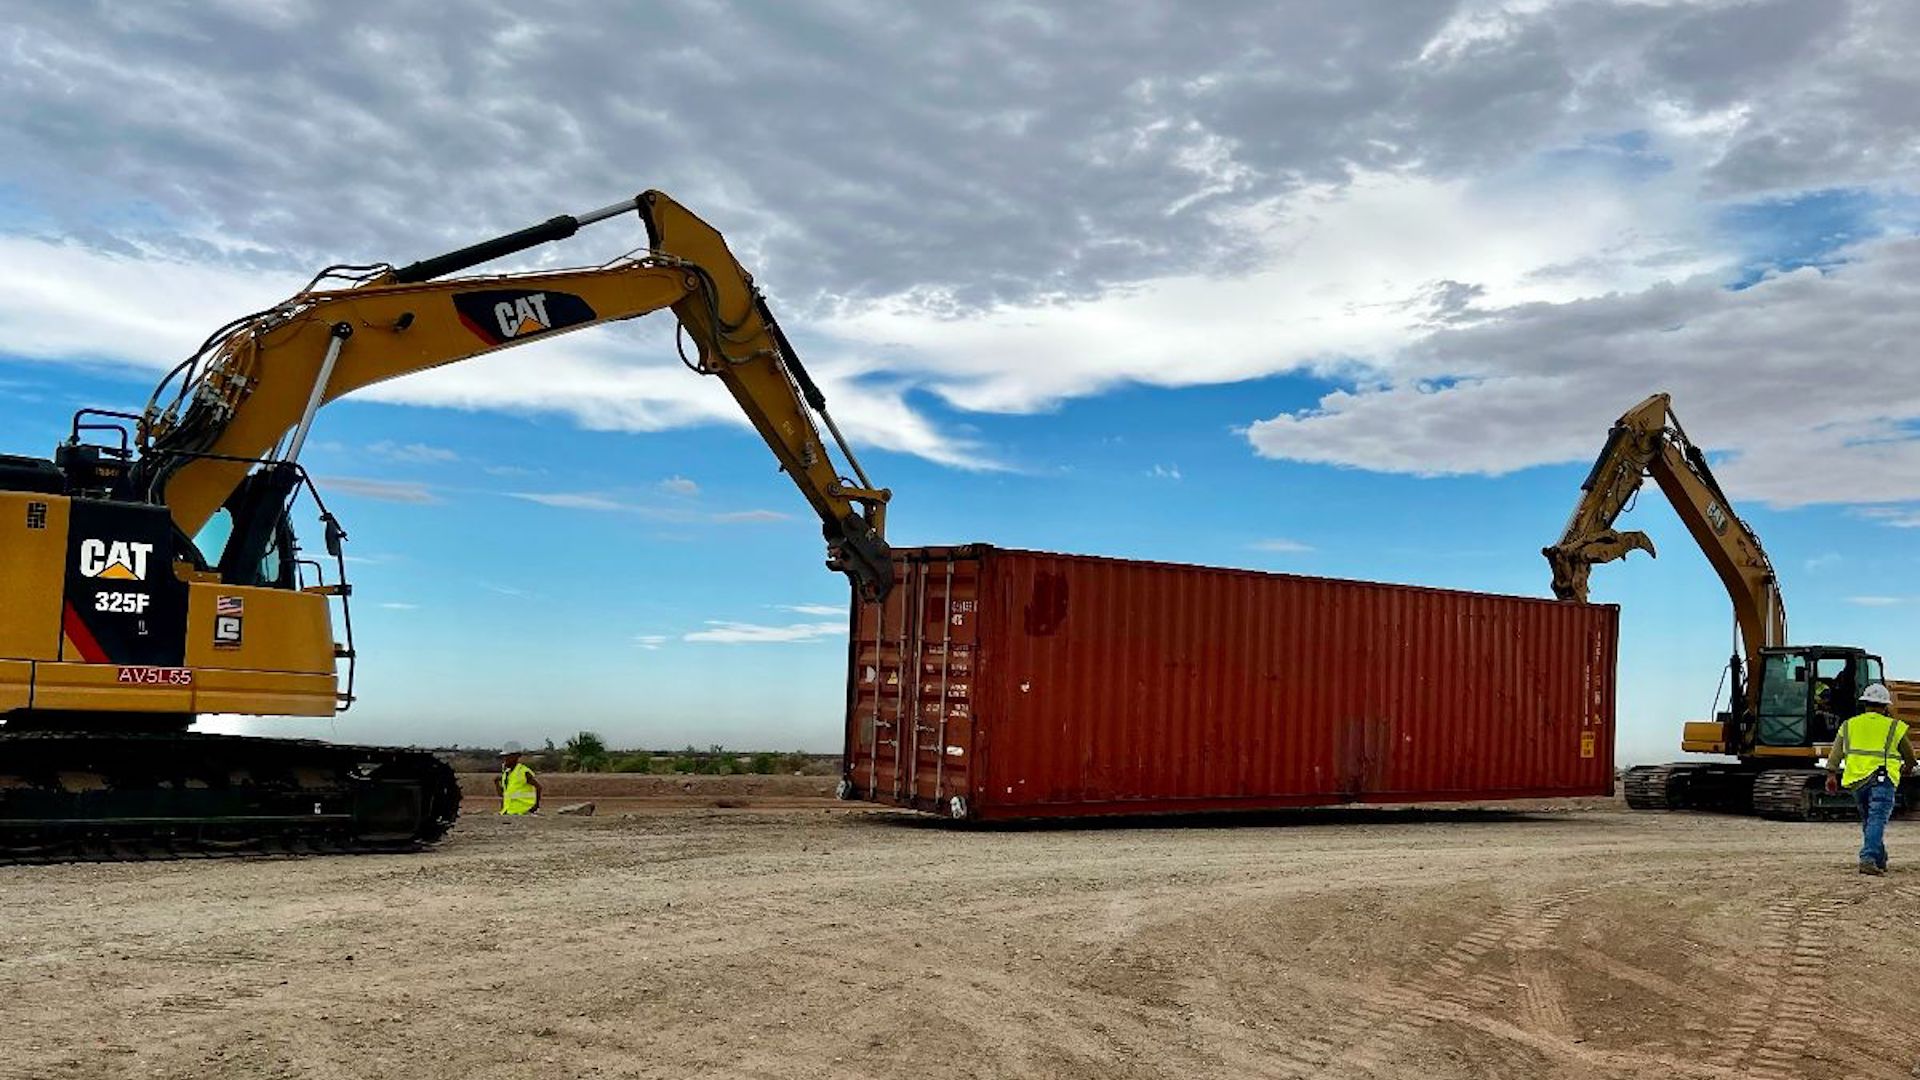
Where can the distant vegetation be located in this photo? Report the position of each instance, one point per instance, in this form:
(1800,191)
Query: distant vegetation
(587,751)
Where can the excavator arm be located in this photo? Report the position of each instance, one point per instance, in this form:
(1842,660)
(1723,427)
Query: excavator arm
(241,407)
(1648,441)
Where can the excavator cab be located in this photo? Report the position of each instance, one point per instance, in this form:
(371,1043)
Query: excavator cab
(1806,693)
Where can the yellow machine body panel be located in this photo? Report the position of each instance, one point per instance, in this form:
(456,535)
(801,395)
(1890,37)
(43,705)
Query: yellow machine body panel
(109,622)
(1703,737)
(33,540)
(16,685)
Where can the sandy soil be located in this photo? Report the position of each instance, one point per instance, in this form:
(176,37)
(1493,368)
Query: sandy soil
(823,941)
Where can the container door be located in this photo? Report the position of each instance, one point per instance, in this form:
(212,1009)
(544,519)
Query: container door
(949,593)
(874,692)
(912,695)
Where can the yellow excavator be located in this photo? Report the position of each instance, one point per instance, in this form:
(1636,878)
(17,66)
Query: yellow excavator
(149,571)
(1786,701)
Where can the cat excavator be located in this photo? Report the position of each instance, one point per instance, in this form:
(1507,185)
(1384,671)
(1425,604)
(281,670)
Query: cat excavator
(1786,701)
(150,572)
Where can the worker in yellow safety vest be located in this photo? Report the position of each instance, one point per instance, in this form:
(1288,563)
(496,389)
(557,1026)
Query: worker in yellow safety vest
(1867,756)
(519,788)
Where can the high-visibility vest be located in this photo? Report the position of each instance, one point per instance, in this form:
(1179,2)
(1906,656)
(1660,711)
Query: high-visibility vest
(517,793)
(1872,745)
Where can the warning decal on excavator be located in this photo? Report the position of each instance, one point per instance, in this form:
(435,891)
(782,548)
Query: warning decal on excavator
(498,316)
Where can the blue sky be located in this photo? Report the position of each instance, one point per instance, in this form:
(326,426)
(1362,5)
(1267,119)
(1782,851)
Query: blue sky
(1360,307)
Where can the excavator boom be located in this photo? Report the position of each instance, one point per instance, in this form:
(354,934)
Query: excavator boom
(248,398)
(1648,441)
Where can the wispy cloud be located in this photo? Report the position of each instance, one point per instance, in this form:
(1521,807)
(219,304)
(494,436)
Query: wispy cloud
(396,605)
(1165,472)
(1900,517)
(508,590)
(572,500)
(1825,561)
(511,471)
(813,609)
(375,558)
(397,491)
(737,517)
(1280,545)
(738,633)
(679,485)
(1877,601)
(412,453)
(650,642)
(679,515)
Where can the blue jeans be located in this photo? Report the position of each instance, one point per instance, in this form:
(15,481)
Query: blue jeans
(1876,806)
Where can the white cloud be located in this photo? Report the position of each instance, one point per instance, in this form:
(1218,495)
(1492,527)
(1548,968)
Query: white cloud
(399,491)
(1451,192)
(679,485)
(1164,472)
(1770,376)
(395,605)
(650,642)
(1824,561)
(1351,272)
(739,633)
(1281,546)
(1877,601)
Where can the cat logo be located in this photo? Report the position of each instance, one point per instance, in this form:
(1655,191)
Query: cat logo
(1717,517)
(502,316)
(527,315)
(119,561)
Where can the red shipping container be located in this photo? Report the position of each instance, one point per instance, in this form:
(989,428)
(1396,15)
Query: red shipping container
(995,683)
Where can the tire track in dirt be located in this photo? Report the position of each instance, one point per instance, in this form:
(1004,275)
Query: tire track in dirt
(1380,1021)
(1543,1002)
(1453,987)
(1771,1031)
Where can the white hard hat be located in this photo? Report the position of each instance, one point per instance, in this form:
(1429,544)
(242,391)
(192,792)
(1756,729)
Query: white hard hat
(1876,694)
(510,748)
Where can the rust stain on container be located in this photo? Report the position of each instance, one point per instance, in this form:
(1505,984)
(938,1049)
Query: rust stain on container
(995,683)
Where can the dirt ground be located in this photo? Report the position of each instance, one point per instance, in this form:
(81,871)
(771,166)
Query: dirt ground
(794,937)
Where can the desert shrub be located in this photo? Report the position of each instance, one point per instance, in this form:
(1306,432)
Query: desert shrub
(763,763)
(632,763)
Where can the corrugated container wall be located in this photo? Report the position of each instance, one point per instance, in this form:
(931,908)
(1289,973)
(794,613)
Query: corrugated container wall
(995,683)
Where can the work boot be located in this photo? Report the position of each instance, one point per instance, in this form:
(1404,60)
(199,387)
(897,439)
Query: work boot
(1868,866)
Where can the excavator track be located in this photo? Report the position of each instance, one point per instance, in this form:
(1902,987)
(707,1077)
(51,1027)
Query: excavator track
(79,797)
(1658,787)
(1688,785)
(1800,795)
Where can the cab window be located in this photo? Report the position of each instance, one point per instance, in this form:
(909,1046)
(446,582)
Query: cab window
(1784,698)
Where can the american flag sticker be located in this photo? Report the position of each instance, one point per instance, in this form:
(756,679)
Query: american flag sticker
(227,616)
